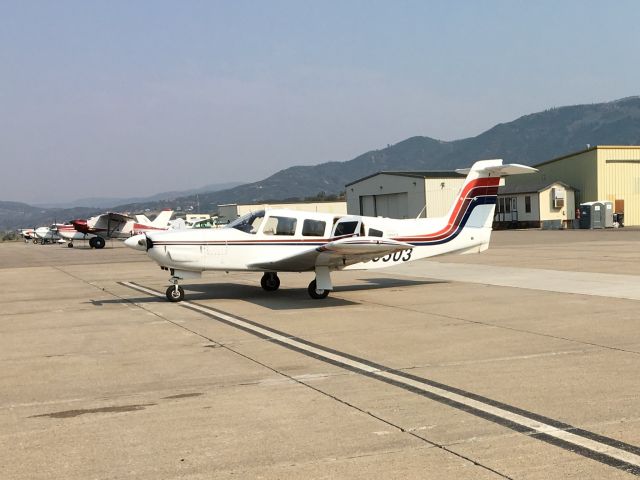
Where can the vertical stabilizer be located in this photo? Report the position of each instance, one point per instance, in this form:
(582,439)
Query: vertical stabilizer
(162,220)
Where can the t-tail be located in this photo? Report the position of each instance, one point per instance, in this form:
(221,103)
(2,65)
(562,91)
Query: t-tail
(467,226)
(471,216)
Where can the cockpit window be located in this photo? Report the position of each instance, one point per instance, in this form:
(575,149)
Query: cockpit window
(249,223)
(345,228)
(280,226)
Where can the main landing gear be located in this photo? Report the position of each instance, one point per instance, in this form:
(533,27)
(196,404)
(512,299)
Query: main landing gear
(97,242)
(315,292)
(317,289)
(270,281)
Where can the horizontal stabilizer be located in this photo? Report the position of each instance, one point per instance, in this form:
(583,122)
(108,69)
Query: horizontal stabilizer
(501,170)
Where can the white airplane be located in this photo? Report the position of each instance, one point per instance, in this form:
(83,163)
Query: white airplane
(27,233)
(272,241)
(47,234)
(114,225)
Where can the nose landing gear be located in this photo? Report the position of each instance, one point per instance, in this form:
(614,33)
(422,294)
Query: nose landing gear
(175,293)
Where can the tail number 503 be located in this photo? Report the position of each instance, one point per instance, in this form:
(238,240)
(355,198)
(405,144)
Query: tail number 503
(404,255)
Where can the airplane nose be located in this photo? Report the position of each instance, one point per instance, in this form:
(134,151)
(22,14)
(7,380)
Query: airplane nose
(137,242)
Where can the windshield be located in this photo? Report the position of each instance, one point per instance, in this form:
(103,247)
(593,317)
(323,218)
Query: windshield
(249,223)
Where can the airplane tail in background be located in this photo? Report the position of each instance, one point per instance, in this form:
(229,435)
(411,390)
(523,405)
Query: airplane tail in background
(142,220)
(162,220)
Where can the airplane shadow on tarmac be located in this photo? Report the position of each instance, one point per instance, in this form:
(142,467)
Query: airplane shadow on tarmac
(291,298)
(283,299)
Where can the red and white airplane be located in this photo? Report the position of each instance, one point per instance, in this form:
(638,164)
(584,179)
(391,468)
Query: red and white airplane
(113,225)
(272,241)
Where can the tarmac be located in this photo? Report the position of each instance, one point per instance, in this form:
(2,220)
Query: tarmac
(519,363)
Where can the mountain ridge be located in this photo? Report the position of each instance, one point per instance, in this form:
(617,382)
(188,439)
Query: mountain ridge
(529,139)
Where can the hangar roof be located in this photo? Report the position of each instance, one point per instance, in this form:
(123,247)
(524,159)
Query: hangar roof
(415,174)
(531,188)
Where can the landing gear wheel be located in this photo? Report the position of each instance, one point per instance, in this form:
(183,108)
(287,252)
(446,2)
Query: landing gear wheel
(92,242)
(70,244)
(270,282)
(315,293)
(175,294)
(99,242)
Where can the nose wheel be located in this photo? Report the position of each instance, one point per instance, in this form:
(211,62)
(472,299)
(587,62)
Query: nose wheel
(175,293)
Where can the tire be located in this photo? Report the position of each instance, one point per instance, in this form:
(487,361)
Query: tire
(70,245)
(92,242)
(315,293)
(99,242)
(174,295)
(270,282)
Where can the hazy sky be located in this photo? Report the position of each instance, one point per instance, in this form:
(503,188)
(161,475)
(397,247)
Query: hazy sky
(126,98)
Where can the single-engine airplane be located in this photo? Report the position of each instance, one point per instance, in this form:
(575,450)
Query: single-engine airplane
(114,225)
(47,234)
(272,241)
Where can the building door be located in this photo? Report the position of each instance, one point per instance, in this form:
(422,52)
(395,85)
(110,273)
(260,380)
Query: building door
(514,209)
(392,205)
(368,206)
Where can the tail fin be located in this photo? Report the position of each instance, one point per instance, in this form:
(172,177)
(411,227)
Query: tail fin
(162,220)
(476,202)
(143,220)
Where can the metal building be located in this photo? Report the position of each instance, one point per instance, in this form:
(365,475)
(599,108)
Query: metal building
(404,194)
(602,172)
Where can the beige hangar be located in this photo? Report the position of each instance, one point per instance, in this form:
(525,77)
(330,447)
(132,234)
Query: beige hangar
(403,194)
(602,172)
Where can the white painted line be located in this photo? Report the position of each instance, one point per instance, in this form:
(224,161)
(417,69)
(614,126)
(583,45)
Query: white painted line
(535,426)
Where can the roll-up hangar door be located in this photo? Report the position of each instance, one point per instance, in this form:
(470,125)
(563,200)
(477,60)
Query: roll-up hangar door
(392,205)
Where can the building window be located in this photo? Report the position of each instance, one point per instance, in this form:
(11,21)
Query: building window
(527,204)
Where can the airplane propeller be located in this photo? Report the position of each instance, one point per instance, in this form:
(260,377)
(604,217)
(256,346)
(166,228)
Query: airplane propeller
(140,242)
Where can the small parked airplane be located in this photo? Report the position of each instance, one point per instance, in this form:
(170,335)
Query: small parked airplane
(47,234)
(27,233)
(272,241)
(115,225)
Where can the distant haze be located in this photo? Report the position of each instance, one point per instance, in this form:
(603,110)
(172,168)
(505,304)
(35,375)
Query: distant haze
(128,99)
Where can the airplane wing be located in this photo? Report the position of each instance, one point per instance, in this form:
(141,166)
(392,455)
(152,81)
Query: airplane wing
(119,217)
(338,253)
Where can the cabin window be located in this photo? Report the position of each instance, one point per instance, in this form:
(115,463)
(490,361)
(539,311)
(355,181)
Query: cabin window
(249,223)
(527,204)
(375,233)
(280,226)
(313,228)
(345,228)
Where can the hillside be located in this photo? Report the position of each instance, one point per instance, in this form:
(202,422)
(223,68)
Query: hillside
(20,215)
(529,140)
